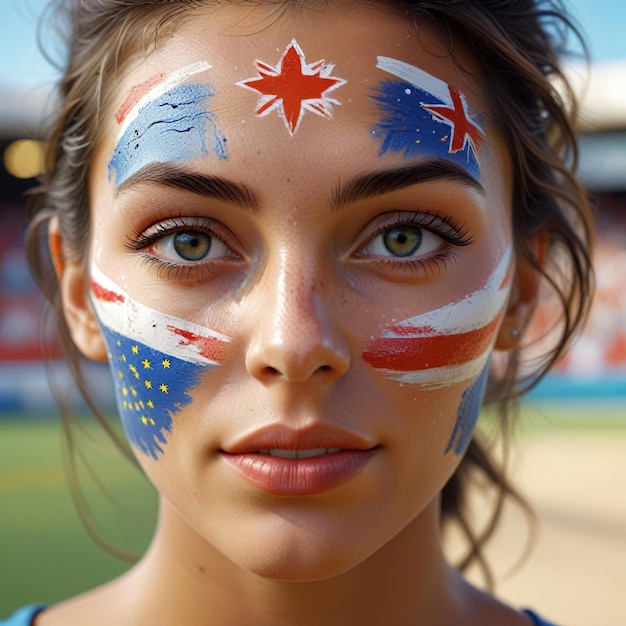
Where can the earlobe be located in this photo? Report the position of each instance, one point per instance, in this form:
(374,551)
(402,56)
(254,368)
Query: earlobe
(79,314)
(522,303)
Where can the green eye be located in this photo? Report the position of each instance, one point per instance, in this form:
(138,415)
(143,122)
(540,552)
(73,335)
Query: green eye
(403,241)
(191,245)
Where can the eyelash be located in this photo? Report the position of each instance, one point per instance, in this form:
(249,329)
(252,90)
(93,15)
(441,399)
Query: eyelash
(442,226)
(169,270)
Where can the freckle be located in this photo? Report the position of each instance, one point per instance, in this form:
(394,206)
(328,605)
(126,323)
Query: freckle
(201,569)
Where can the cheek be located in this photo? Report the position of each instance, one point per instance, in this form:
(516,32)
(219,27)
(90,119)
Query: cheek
(468,413)
(448,349)
(156,361)
(448,345)
(151,387)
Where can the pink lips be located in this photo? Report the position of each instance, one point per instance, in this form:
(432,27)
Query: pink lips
(285,462)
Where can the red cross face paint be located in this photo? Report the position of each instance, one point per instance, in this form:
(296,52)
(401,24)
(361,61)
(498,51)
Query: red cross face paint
(424,115)
(294,86)
(449,345)
(156,360)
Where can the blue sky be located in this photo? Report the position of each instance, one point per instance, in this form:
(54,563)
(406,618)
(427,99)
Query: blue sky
(22,64)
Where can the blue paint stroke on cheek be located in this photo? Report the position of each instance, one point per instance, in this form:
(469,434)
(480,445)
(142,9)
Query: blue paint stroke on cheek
(150,388)
(409,129)
(468,413)
(176,126)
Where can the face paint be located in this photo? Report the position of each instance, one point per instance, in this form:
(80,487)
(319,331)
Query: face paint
(293,86)
(468,413)
(164,120)
(424,115)
(447,345)
(156,360)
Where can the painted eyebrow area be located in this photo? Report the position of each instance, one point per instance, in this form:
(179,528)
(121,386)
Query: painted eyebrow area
(373,184)
(212,187)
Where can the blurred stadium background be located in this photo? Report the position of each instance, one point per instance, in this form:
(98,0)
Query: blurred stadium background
(570,456)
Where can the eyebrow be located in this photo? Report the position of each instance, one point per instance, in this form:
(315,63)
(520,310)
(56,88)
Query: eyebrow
(373,184)
(213,187)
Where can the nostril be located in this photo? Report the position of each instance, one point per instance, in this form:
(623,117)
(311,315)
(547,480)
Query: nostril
(325,368)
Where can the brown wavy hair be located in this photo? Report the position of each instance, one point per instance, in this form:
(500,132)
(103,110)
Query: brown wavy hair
(516,47)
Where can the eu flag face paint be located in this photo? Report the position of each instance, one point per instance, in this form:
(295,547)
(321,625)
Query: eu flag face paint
(156,360)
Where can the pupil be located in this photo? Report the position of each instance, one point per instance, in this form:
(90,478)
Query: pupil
(191,245)
(403,240)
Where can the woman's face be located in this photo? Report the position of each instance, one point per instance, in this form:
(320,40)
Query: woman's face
(300,260)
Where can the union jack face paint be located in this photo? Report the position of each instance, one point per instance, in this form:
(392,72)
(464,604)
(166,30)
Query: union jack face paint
(165,119)
(449,345)
(156,360)
(294,86)
(424,115)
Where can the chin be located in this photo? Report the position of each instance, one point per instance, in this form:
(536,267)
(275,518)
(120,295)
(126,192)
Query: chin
(301,569)
(296,554)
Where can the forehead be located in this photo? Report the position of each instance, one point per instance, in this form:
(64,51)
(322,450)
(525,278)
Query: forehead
(232,47)
(348,36)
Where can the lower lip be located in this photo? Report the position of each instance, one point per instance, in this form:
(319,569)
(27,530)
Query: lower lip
(299,477)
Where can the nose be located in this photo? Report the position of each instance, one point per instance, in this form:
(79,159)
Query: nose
(294,337)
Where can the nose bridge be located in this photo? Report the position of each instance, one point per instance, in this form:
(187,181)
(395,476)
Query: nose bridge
(298,296)
(297,335)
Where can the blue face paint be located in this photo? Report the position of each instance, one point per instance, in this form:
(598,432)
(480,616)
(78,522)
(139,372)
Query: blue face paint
(467,416)
(176,126)
(150,388)
(424,115)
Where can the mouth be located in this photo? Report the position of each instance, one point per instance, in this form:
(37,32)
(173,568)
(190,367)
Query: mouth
(299,454)
(283,461)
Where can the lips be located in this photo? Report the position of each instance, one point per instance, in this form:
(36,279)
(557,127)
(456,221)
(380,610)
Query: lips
(300,454)
(305,462)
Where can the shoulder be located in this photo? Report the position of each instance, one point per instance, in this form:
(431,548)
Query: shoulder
(537,621)
(23,616)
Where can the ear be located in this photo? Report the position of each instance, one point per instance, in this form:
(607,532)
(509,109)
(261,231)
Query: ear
(523,299)
(79,314)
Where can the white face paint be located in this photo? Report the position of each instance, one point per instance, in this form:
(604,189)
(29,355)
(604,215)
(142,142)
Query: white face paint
(448,345)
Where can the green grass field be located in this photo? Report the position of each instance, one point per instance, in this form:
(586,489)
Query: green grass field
(45,552)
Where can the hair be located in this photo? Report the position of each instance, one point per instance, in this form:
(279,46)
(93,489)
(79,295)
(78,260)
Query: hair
(515,47)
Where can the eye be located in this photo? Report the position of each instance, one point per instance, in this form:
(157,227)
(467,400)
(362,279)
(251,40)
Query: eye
(403,241)
(190,246)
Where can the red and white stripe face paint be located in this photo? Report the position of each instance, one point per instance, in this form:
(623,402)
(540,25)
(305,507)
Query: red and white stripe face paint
(448,345)
(170,335)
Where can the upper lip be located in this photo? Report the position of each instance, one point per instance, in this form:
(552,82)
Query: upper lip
(283,437)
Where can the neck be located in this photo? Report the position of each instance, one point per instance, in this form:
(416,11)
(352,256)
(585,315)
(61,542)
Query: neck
(187,581)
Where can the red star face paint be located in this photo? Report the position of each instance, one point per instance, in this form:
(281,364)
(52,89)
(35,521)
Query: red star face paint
(156,360)
(422,114)
(294,86)
(449,345)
